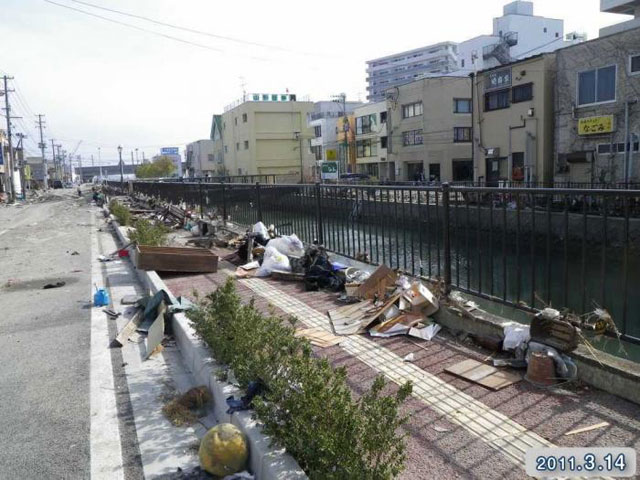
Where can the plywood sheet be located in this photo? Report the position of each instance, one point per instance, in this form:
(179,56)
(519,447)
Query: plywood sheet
(483,374)
(319,337)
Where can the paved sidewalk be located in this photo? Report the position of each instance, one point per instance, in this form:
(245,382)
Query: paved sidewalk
(457,429)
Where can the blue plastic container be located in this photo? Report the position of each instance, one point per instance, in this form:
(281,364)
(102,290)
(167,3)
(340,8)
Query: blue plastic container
(101,298)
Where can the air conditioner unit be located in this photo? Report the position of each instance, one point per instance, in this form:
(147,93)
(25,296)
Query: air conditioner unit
(492,152)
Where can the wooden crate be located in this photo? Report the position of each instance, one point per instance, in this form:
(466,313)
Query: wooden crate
(176,259)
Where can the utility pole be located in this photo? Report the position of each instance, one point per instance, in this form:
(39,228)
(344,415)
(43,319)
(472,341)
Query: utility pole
(133,164)
(628,145)
(137,161)
(9,167)
(53,157)
(299,138)
(60,168)
(45,175)
(100,164)
(121,167)
(79,157)
(20,147)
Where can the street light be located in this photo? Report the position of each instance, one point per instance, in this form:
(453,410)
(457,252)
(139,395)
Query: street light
(121,166)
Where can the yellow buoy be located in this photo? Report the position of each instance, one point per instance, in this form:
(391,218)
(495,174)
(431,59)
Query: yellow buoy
(223,450)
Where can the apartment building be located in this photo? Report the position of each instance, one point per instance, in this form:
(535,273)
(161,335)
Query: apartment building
(323,122)
(371,142)
(513,121)
(517,34)
(405,67)
(267,134)
(429,129)
(631,8)
(200,158)
(597,114)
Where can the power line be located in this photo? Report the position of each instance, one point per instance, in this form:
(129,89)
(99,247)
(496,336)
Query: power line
(192,30)
(153,32)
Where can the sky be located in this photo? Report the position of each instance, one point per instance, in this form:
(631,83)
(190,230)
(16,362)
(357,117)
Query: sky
(108,84)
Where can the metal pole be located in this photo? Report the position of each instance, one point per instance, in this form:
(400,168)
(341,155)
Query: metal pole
(258,201)
(319,215)
(627,142)
(446,238)
(224,205)
(53,157)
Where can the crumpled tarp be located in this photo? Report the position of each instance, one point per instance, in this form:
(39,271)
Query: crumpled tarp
(319,272)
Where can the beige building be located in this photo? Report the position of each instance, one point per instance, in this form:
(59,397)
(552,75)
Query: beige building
(371,141)
(430,129)
(513,121)
(266,134)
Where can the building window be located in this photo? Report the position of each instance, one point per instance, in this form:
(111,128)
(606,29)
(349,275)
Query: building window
(383,142)
(226,149)
(238,146)
(461,134)
(364,124)
(412,110)
(545,29)
(317,131)
(265,98)
(383,117)
(412,137)
(462,63)
(317,151)
(496,100)
(244,118)
(224,125)
(605,148)
(557,35)
(597,86)
(274,98)
(366,148)
(246,144)
(634,64)
(522,93)
(461,105)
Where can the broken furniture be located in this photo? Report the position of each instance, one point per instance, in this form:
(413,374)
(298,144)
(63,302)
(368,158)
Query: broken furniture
(176,259)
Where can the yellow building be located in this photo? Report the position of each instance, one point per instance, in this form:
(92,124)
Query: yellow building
(266,134)
(513,121)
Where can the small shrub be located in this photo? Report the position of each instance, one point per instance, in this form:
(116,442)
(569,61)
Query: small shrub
(121,212)
(148,233)
(307,406)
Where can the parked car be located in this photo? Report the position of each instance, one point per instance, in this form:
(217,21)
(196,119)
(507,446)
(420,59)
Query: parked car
(354,178)
(57,184)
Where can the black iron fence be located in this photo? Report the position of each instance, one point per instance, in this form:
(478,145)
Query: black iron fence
(525,247)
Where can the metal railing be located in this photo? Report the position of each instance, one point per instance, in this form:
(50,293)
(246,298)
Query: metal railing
(524,247)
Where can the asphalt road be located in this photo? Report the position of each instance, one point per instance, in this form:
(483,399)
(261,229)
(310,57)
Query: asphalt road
(45,338)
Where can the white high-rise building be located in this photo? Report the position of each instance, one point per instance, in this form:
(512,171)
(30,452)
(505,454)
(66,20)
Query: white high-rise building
(624,7)
(517,34)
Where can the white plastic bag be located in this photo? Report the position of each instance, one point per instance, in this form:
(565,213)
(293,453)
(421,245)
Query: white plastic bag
(261,229)
(515,334)
(273,260)
(288,244)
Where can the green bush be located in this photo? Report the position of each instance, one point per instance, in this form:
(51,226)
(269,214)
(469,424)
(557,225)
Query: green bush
(308,406)
(121,212)
(148,233)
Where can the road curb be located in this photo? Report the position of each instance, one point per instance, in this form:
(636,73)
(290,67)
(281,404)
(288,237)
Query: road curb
(267,462)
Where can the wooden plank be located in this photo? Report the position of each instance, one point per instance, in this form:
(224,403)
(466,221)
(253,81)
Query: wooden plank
(483,374)
(346,320)
(127,330)
(155,335)
(587,429)
(319,337)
